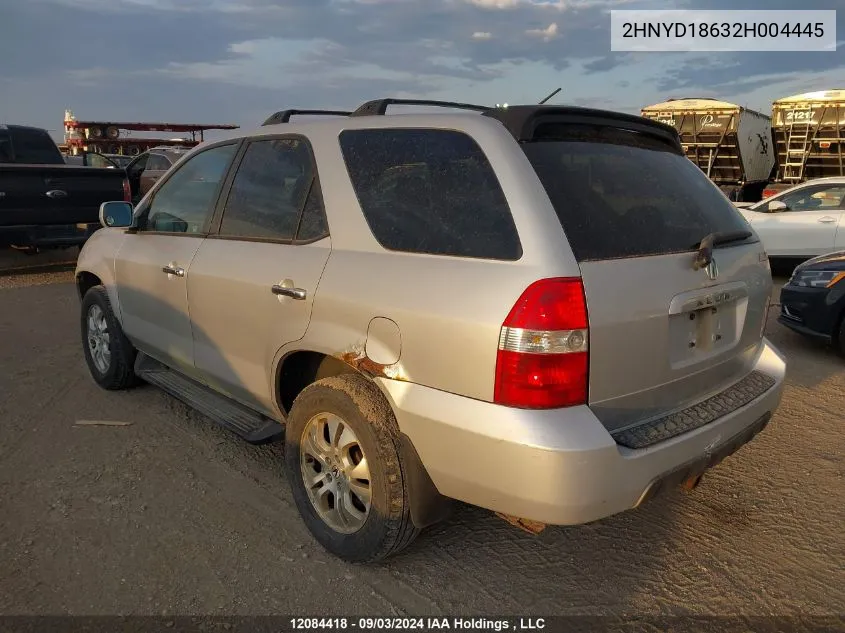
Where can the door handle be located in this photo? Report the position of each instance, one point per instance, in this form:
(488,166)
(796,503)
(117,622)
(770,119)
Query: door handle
(827,219)
(56,193)
(173,270)
(294,293)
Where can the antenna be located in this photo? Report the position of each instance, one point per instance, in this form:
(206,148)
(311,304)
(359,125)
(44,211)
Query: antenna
(550,96)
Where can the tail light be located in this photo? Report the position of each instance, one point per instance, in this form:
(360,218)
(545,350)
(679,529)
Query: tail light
(543,361)
(127,191)
(767,193)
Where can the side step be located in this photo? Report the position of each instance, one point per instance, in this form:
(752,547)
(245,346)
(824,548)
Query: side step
(248,424)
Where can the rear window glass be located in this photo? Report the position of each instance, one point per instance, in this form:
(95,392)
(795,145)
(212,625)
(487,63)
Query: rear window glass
(623,194)
(34,146)
(430,191)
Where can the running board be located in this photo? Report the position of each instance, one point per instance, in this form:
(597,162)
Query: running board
(248,424)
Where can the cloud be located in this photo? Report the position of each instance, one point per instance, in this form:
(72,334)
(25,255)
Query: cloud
(496,4)
(547,34)
(232,58)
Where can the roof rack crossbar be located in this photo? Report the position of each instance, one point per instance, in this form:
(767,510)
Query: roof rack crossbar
(283,116)
(379,106)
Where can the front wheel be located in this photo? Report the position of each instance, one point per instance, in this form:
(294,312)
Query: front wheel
(108,353)
(345,471)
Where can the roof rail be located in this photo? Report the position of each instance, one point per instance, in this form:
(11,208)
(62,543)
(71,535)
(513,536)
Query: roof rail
(379,106)
(283,116)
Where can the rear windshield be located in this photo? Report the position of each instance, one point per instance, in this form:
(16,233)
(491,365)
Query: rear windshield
(27,145)
(622,194)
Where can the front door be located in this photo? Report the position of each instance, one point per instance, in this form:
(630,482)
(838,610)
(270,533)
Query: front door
(252,284)
(807,227)
(153,265)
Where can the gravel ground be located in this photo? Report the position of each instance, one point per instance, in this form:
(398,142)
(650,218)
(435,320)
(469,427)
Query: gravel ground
(172,515)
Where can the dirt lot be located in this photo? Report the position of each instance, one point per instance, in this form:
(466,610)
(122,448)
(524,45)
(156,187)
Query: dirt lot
(172,515)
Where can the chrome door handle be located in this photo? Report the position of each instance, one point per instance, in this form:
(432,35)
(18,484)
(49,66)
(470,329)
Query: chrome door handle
(294,293)
(827,219)
(173,270)
(56,193)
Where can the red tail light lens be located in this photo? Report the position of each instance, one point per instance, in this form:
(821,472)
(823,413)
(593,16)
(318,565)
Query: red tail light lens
(767,193)
(543,361)
(127,191)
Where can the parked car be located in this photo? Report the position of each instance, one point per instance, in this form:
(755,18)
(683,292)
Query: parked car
(803,221)
(813,300)
(145,169)
(45,202)
(544,311)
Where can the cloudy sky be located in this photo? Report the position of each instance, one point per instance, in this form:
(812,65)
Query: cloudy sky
(220,61)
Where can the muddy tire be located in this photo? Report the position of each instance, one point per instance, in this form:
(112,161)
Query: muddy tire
(345,470)
(109,354)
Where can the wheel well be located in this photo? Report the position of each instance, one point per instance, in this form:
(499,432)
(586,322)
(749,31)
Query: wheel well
(85,281)
(300,369)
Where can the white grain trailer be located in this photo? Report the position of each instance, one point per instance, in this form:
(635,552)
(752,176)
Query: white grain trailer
(728,142)
(809,133)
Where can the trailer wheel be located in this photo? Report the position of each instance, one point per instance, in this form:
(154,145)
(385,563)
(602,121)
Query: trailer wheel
(112,132)
(95,132)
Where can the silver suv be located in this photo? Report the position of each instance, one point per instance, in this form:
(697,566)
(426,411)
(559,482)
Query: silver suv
(544,311)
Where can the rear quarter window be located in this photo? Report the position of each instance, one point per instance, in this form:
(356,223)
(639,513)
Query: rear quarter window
(623,194)
(430,191)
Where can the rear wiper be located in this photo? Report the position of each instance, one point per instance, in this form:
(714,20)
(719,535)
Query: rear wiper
(705,247)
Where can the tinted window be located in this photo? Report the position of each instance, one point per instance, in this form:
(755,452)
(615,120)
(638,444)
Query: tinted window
(34,146)
(812,199)
(185,202)
(157,162)
(622,194)
(313,224)
(269,191)
(430,191)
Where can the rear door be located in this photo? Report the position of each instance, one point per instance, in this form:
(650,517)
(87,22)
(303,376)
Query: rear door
(662,334)
(807,227)
(252,283)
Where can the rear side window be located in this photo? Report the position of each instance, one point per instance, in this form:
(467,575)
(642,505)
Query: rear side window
(623,194)
(430,191)
(157,162)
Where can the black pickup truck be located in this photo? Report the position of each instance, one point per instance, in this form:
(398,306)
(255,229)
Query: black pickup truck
(44,202)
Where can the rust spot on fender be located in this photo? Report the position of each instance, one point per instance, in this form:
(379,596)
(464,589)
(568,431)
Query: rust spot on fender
(356,357)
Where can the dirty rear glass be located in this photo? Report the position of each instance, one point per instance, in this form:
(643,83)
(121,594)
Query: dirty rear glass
(623,194)
(430,191)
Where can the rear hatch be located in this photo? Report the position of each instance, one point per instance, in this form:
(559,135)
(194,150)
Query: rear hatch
(56,194)
(662,334)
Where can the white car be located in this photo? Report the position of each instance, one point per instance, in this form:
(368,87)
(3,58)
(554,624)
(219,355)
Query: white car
(803,221)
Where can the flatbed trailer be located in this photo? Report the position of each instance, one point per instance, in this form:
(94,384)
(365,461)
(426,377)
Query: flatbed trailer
(115,137)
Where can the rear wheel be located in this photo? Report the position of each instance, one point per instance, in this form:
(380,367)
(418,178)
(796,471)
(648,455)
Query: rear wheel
(109,354)
(345,471)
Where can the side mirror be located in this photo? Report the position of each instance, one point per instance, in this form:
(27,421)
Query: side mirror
(116,215)
(777,205)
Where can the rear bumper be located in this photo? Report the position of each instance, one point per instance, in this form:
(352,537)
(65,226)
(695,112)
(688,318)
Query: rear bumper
(561,467)
(47,235)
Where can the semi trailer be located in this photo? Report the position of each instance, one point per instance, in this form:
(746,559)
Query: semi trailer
(730,143)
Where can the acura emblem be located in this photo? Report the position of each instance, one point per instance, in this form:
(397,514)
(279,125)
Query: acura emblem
(712,269)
